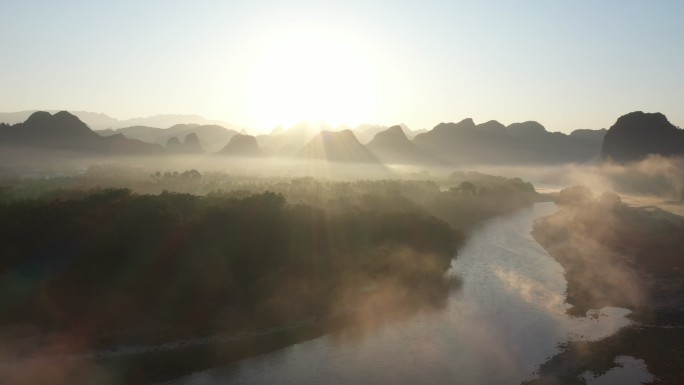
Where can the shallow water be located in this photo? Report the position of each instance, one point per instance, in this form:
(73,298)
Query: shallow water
(630,371)
(506,320)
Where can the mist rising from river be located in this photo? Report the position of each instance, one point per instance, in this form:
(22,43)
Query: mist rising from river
(508,318)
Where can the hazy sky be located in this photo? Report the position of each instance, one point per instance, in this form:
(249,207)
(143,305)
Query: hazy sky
(566,64)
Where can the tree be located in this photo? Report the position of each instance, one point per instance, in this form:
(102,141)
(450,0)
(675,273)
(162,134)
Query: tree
(465,188)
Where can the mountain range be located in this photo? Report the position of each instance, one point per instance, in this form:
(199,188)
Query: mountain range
(518,143)
(190,145)
(337,146)
(287,142)
(632,137)
(212,137)
(244,146)
(366,132)
(392,146)
(99,121)
(66,132)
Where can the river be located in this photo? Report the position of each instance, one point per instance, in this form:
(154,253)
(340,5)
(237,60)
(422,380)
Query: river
(507,318)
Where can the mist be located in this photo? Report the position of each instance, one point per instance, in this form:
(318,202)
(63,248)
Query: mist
(227,246)
(138,262)
(619,254)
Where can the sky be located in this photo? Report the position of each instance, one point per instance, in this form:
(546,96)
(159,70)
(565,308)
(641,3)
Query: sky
(566,64)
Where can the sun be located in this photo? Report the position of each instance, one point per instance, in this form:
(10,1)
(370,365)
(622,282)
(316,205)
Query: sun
(312,73)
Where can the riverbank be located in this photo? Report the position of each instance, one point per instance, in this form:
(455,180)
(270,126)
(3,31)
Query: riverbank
(93,294)
(622,256)
(86,276)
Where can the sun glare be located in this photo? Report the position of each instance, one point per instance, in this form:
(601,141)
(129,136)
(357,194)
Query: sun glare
(312,74)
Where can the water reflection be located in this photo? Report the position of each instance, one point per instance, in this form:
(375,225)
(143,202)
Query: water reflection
(630,371)
(507,318)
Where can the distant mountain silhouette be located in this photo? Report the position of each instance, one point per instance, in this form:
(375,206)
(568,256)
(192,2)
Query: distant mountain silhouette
(143,133)
(519,143)
(168,120)
(212,137)
(366,132)
(392,146)
(589,135)
(638,134)
(341,146)
(12,118)
(190,145)
(286,142)
(99,121)
(526,129)
(492,127)
(242,145)
(459,143)
(65,131)
(173,144)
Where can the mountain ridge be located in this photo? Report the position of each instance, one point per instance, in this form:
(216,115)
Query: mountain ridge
(491,142)
(212,137)
(337,146)
(243,146)
(65,131)
(638,134)
(100,121)
(392,146)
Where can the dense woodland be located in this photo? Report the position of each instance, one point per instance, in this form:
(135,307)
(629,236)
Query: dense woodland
(463,199)
(111,266)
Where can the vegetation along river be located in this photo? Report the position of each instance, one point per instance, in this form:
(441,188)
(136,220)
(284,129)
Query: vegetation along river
(506,319)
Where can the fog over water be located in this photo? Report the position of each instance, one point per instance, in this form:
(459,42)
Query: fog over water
(506,319)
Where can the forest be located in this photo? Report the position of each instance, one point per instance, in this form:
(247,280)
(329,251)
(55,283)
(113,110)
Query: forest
(105,266)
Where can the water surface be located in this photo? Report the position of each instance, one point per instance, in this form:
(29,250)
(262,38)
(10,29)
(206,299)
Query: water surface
(506,319)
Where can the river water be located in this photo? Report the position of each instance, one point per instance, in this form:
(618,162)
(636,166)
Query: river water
(506,319)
